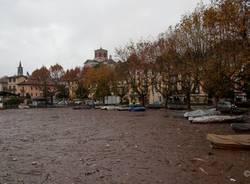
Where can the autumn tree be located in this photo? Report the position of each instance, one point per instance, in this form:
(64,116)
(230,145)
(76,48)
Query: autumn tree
(139,62)
(43,79)
(121,81)
(56,72)
(228,38)
(99,81)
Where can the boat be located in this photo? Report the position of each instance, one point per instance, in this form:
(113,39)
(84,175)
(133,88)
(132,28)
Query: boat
(201,112)
(23,106)
(216,119)
(241,127)
(123,108)
(137,108)
(229,141)
(81,107)
(109,107)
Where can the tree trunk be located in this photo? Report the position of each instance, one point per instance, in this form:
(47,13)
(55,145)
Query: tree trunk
(188,101)
(45,94)
(166,102)
(216,102)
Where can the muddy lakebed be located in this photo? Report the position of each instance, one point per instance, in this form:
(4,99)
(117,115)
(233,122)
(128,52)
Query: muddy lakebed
(65,146)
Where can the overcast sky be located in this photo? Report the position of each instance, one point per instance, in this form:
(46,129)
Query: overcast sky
(45,32)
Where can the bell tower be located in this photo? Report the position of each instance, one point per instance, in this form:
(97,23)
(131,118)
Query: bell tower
(20,69)
(101,55)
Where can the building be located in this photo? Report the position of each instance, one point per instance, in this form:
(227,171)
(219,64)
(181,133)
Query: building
(35,89)
(20,69)
(4,84)
(13,81)
(101,57)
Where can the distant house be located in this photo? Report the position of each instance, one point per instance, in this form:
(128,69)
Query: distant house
(35,89)
(3,84)
(13,81)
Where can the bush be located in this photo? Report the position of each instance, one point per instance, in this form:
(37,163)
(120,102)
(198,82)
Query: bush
(13,102)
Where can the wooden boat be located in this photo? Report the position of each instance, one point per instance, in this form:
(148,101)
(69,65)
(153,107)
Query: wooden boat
(229,141)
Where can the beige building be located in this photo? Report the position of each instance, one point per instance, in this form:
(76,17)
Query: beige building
(32,88)
(4,84)
(13,82)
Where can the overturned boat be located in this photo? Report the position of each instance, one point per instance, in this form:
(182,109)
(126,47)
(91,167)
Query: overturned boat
(216,119)
(202,112)
(241,127)
(229,141)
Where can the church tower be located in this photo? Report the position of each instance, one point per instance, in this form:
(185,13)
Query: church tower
(20,69)
(101,55)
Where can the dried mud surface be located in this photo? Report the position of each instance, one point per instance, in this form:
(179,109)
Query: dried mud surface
(63,146)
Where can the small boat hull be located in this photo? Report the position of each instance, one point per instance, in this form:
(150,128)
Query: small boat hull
(229,141)
(241,127)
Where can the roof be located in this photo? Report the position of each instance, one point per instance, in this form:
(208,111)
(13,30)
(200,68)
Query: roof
(111,61)
(18,76)
(101,49)
(32,82)
(4,80)
(91,61)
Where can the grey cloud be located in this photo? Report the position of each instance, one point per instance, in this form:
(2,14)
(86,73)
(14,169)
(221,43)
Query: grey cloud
(43,32)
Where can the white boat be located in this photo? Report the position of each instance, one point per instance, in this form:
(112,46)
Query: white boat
(23,106)
(200,113)
(216,119)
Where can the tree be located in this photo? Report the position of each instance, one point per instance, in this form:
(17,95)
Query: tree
(228,40)
(99,81)
(139,62)
(43,79)
(81,92)
(56,73)
(121,81)
(62,92)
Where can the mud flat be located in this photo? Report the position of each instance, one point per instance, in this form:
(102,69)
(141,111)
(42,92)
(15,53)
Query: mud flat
(63,146)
